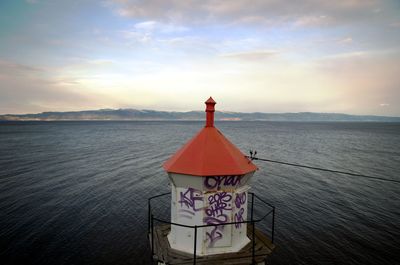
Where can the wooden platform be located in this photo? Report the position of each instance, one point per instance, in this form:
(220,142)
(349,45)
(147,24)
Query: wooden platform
(164,253)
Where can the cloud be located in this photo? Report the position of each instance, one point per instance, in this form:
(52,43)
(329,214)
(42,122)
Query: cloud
(147,25)
(395,24)
(346,40)
(154,26)
(312,21)
(148,31)
(137,36)
(17,69)
(301,13)
(24,88)
(254,55)
(364,80)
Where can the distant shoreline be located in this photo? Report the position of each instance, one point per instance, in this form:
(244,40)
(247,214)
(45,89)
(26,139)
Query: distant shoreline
(266,121)
(153,115)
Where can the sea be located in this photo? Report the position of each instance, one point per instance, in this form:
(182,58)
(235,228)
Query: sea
(76,192)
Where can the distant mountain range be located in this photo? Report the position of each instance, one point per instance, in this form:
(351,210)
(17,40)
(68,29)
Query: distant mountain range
(133,114)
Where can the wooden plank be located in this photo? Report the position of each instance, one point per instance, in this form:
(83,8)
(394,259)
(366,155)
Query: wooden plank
(162,247)
(264,239)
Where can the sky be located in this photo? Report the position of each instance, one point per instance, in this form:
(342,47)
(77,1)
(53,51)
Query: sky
(251,56)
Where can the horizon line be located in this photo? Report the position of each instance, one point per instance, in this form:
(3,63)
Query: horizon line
(172,111)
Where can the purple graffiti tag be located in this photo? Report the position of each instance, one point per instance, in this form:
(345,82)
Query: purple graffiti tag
(239,218)
(189,198)
(216,213)
(186,213)
(216,231)
(215,182)
(240,199)
(214,235)
(219,202)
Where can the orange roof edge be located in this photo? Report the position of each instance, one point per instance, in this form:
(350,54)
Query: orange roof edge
(209,153)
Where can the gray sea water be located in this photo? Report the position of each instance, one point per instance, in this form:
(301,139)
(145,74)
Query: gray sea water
(76,192)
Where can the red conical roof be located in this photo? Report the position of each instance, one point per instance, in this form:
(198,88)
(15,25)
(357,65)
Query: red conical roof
(209,153)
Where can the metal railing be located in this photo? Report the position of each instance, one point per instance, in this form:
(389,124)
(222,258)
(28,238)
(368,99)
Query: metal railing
(252,221)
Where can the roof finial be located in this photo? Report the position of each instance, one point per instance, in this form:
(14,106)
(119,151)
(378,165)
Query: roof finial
(210,103)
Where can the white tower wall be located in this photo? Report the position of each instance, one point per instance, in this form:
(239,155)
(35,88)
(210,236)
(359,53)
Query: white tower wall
(209,200)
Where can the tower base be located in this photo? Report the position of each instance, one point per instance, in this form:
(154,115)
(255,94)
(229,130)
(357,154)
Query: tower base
(164,254)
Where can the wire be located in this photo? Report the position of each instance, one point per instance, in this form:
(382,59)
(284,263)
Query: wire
(322,169)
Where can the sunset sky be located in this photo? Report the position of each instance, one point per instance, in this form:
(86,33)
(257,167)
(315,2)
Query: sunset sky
(268,56)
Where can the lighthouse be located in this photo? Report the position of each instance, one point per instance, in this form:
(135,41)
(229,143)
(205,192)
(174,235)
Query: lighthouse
(210,179)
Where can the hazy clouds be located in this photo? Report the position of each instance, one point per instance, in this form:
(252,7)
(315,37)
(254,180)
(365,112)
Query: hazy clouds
(272,56)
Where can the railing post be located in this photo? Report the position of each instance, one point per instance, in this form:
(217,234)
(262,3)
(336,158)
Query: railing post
(148,215)
(152,237)
(252,206)
(273,224)
(254,243)
(253,229)
(195,244)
